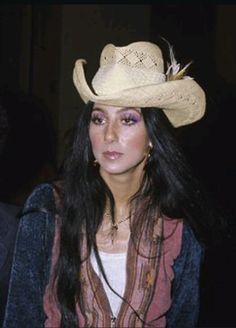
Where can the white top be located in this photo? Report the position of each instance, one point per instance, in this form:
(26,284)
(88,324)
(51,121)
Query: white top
(114,265)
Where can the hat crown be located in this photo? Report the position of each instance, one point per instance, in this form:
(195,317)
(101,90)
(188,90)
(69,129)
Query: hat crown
(137,64)
(143,55)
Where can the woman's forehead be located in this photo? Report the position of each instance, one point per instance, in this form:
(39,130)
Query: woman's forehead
(112,108)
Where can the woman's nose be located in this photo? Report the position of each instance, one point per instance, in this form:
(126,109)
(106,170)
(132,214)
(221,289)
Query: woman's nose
(111,132)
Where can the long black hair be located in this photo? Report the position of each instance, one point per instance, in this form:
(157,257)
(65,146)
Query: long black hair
(168,185)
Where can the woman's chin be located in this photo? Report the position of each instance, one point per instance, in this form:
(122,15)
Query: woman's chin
(120,170)
(113,170)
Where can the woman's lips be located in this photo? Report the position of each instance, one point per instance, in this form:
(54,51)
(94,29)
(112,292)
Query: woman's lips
(112,155)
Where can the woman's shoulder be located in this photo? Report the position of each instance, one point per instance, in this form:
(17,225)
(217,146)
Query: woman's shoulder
(192,250)
(38,213)
(189,239)
(182,232)
(42,198)
(181,242)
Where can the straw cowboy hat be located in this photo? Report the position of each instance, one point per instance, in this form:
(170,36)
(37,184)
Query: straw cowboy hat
(133,76)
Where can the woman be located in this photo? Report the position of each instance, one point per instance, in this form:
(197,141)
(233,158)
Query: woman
(117,243)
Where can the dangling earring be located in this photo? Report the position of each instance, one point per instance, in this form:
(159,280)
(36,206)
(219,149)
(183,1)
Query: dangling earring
(95,162)
(150,149)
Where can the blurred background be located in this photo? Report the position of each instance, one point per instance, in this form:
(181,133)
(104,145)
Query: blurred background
(39,104)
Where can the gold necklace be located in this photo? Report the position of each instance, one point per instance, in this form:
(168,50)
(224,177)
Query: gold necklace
(114,226)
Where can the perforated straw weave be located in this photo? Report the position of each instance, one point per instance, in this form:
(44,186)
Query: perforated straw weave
(134,76)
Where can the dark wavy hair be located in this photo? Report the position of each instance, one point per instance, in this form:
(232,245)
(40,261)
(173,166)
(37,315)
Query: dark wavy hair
(168,185)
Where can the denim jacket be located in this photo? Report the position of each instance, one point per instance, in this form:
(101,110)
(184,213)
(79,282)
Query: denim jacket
(32,262)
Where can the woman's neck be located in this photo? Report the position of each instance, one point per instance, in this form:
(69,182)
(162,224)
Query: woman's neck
(123,186)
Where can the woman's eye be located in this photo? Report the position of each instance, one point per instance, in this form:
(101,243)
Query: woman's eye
(129,120)
(98,120)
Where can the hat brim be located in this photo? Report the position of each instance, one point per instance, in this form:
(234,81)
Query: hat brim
(183,101)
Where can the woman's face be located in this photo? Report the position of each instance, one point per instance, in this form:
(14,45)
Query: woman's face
(119,138)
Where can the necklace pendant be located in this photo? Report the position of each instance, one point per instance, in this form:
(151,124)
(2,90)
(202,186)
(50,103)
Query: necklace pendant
(115,226)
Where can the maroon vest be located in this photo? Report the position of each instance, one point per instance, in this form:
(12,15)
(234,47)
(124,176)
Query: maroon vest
(148,284)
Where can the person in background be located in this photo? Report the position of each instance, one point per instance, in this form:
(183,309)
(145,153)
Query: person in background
(119,240)
(26,157)
(8,226)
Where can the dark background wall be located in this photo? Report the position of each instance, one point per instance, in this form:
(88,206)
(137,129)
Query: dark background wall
(39,45)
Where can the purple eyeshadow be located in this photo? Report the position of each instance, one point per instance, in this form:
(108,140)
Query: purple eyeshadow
(97,116)
(133,117)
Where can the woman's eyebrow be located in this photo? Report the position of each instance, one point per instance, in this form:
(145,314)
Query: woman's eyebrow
(98,109)
(124,109)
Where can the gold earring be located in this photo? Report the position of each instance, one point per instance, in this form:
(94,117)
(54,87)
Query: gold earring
(150,149)
(95,162)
